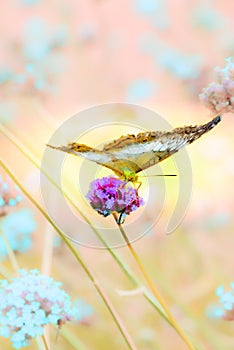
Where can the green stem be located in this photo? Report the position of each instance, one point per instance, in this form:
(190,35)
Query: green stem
(47,254)
(75,343)
(37,164)
(206,334)
(45,342)
(40,343)
(4,272)
(152,286)
(99,289)
(125,268)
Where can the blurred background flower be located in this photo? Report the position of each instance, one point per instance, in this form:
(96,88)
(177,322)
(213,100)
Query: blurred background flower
(17,228)
(9,195)
(32,301)
(219,97)
(39,55)
(16,224)
(225,309)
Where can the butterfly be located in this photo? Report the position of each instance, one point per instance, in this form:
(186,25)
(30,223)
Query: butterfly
(130,154)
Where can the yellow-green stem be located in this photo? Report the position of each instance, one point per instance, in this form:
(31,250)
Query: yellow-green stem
(16,141)
(4,271)
(45,342)
(32,159)
(40,343)
(72,340)
(97,286)
(152,286)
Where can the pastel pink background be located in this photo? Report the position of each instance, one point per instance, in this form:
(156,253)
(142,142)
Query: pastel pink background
(103,51)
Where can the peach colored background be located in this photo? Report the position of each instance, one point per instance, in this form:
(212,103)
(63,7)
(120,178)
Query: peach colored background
(101,48)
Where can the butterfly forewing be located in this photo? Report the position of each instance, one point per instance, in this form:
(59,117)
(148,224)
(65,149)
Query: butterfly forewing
(133,153)
(139,152)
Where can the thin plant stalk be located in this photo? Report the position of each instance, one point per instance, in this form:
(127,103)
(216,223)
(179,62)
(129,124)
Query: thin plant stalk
(4,272)
(125,268)
(78,257)
(45,342)
(72,340)
(40,343)
(152,286)
(201,324)
(47,254)
(29,155)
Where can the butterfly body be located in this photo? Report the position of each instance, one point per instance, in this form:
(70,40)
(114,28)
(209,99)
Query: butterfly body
(130,154)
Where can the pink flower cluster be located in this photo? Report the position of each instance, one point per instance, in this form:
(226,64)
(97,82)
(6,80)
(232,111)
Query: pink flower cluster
(109,195)
(219,97)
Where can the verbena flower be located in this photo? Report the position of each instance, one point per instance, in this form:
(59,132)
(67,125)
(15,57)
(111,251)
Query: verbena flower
(109,194)
(30,302)
(225,308)
(219,97)
(17,228)
(9,195)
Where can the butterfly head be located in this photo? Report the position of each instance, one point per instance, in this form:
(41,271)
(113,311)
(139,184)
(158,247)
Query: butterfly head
(129,175)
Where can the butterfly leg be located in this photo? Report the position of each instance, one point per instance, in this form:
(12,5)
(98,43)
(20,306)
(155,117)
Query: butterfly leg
(139,184)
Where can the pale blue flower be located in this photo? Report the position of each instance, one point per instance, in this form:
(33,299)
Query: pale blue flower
(225,308)
(39,51)
(148,7)
(18,228)
(183,66)
(9,193)
(29,2)
(207,18)
(42,302)
(5,75)
(140,89)
(155,10)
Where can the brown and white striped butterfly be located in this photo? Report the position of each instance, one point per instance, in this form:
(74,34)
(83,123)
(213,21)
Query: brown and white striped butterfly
(130,154)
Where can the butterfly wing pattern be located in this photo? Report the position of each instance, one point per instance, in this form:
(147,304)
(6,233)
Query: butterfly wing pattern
(130,154)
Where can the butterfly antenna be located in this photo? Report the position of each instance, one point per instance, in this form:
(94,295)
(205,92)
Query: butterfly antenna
(157,175)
